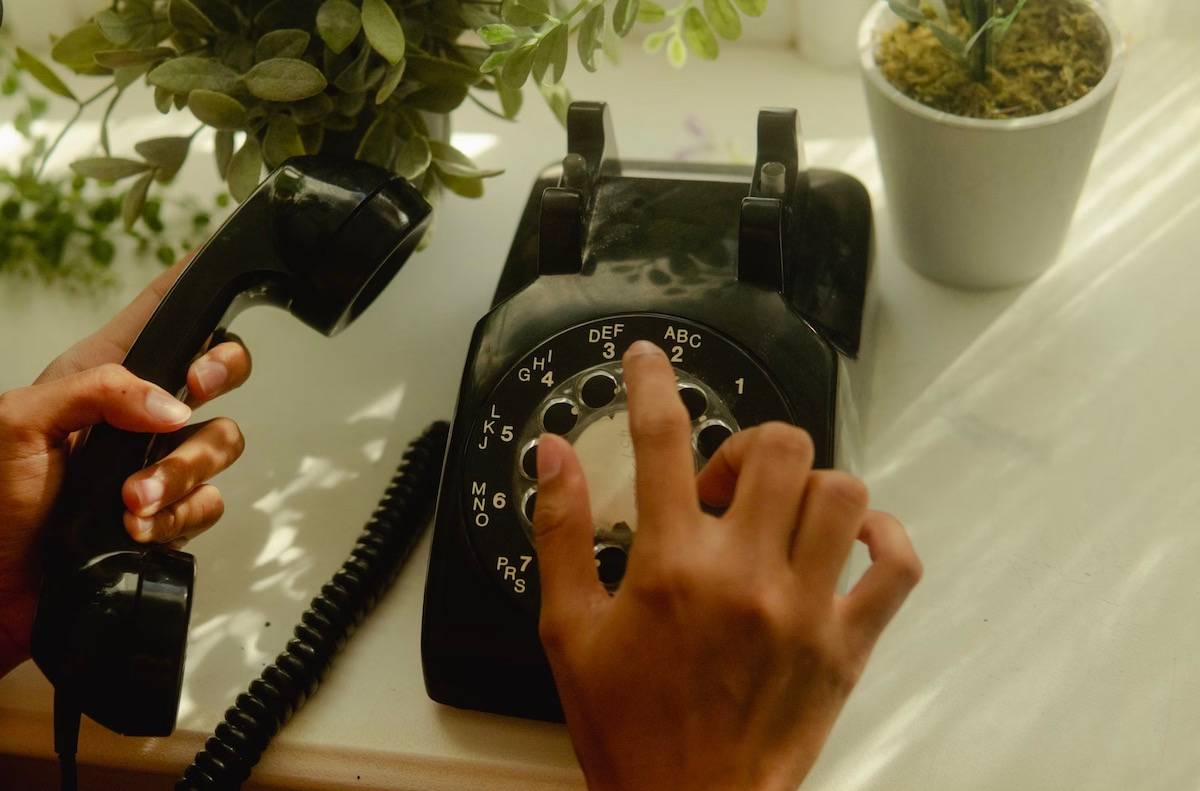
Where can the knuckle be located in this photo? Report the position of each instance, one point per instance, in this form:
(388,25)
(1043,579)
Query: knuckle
(665,584)
(908,569)
(111,380)
(9,421)
(768,609)
(841,489)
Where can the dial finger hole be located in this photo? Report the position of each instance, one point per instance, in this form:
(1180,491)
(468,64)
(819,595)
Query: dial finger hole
(710,436)
(560,417)
(598,390)
(695,400)
(529,461)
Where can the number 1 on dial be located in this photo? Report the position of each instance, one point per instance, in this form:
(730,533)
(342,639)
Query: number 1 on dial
(741,386)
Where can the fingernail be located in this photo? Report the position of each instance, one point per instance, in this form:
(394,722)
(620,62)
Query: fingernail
(642,348)
(145,527)
(169,410)
(149,492)
(211,374)
(549,458)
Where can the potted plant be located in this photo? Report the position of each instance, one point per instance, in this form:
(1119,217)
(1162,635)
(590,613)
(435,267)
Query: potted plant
(986,115)
(371,79)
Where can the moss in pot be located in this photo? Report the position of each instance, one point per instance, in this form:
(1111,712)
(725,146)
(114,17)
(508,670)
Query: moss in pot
(1035,57)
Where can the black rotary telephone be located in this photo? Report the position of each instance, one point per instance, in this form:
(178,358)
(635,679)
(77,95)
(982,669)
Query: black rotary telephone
(752,280)
(319,238)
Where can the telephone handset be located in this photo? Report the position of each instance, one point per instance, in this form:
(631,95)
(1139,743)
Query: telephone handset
(320,239)
(754,284)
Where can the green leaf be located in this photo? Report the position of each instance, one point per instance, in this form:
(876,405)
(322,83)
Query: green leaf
(494,61)
(186,17)
(338,23)
(437,98)
(290,43)
(311,110)
(516,70)
(497,34)
(223,149)
(439,71)
(624,15)
(466,187)
(391,79)
(378,144)
(413,157)
(383,30)
(524,13)
(43,74)
(907,12)
(353,78)
(135,200)
(650,12)
(956,46)
(449,160)
(510,99)
(558,99)
(723,18)
(186,73)
(753,7)
(218,110)
(676,52)
(162,100)
(109,168)
(588,42)
(120,29)
(699,35)
(284,80)
(1004,23)
(655,41)
(282,141)
(124,58)
(245,169)
(77,49)
(165,153)
(550,57)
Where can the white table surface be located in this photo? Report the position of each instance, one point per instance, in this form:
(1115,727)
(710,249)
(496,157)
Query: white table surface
(1040,443)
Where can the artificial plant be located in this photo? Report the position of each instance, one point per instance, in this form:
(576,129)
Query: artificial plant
(987,23)
(362,78)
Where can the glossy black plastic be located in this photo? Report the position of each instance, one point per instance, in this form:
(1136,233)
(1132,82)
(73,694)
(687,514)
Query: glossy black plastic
(660,238)
(319,238)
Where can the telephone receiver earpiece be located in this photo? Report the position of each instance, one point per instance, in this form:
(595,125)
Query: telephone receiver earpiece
(320,238)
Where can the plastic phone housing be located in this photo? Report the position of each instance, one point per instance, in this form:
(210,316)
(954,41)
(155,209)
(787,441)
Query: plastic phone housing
(762,272)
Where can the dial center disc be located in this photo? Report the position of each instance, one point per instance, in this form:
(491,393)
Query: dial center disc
(605,452)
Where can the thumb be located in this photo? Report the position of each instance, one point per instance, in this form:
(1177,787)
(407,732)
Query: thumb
(562,530)
(105,394)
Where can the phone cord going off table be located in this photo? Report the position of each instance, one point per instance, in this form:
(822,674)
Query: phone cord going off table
(386,542)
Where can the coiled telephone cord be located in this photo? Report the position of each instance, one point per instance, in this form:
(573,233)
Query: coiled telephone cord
(386,542)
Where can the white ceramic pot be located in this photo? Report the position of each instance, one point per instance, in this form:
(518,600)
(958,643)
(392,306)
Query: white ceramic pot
(977,203)
(827,31)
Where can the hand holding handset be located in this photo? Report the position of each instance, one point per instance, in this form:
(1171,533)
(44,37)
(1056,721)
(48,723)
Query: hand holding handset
(319,238)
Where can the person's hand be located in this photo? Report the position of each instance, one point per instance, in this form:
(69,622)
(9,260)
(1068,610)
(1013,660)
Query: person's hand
(167,502)
(727,653)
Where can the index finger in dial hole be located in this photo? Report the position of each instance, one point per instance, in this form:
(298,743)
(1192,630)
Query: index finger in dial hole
(661,432)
